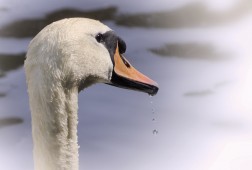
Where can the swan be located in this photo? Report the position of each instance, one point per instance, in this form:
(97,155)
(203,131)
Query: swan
(63,59)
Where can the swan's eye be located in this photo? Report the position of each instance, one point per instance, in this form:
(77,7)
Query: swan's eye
(99,37)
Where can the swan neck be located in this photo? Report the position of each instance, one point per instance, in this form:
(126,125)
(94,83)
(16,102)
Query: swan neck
(54,127)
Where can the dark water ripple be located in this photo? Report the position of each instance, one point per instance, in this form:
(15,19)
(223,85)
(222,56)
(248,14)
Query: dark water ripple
(10,121)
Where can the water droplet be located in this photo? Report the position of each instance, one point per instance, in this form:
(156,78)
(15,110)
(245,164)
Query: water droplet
(153,111)
(155,132)
(154,116)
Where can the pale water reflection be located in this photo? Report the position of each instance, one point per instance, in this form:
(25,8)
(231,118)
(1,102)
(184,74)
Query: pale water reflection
(203,109)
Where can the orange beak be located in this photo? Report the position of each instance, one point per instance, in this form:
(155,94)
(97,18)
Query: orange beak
(126,76)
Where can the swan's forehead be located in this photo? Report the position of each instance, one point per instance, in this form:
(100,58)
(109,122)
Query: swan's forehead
(84,26)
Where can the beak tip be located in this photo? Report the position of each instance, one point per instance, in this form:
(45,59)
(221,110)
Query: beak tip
(153,90)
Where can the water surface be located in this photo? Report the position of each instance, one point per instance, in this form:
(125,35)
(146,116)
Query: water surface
(198,51)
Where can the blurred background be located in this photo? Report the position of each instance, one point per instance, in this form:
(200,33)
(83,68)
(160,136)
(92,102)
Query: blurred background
(199,51)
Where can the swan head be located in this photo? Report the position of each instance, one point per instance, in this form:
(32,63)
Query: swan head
(79,52)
